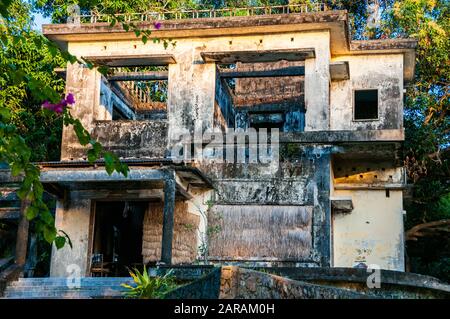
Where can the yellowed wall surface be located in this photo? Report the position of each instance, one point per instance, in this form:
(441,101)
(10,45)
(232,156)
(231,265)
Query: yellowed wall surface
(372,233)
(383,72)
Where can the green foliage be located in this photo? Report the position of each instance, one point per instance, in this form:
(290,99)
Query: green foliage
(26,82)
(148,287)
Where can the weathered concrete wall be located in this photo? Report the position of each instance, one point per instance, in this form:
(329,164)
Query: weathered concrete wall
(75,220)
(382,72)
(261,233)
(241,283)
(133,139)
(269,90)
(372,233)
(301,180)
(184,235)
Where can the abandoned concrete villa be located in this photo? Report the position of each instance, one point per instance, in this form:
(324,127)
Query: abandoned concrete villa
(331,199)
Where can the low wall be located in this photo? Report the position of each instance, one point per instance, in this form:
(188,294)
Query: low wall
(241,283)
(205,287)
(393,284)
(133,139)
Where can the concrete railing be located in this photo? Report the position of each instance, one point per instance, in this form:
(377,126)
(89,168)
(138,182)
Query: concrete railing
(159,14)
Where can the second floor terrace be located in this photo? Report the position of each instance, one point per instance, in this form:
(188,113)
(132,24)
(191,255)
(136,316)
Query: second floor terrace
(292,70)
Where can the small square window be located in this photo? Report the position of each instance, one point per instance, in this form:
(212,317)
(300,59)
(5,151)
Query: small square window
(366,104)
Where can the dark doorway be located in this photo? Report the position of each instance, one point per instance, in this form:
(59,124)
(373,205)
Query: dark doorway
(118,236)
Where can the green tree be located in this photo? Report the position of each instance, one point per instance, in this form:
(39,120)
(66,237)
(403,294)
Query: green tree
(26,85)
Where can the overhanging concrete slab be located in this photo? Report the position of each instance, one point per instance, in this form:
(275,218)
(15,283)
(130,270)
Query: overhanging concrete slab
(258,56)
(132,60)
(339,71)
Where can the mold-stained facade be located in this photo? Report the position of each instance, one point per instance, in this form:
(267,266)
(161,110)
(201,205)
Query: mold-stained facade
(333,197)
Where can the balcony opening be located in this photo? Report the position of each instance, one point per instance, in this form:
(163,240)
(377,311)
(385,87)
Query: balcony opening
(262,94)
(366,105)
(136,93)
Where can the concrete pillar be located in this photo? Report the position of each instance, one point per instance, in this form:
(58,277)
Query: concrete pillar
(168,220)
(75,220)
(22,235)
(190,104)
(317,89)
(84,84)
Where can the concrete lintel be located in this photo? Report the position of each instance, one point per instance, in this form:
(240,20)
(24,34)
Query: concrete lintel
(258,56)
(133,60)
(348,186)
(100,175)
(343,136)
(287,71)
(339,71)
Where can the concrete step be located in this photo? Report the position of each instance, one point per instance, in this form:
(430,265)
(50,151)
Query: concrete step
(57,288)
(31,282)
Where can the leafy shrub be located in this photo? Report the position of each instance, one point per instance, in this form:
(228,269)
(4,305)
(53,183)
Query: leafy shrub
(148,287)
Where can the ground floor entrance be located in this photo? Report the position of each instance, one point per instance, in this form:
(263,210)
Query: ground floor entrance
(117,241)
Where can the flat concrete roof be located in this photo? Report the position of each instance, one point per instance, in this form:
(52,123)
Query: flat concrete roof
(334,21)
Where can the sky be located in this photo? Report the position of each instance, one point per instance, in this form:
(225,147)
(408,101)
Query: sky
(39,20)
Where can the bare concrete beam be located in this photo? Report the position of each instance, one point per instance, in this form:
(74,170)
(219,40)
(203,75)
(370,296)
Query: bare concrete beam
(258,56)
(139,76)
(99,175)
(137,194)
(339,71)
(288,71)
(130,60)
(168,219)
(343,136)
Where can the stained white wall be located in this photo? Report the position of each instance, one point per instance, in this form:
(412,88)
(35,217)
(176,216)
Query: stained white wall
(372,233)
(378,71)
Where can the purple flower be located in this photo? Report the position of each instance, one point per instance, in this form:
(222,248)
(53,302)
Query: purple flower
(59,107)
(157,25)
(70,99)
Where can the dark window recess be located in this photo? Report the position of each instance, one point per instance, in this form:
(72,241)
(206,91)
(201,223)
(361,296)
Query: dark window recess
(117,114)
(266,120)
(366,104)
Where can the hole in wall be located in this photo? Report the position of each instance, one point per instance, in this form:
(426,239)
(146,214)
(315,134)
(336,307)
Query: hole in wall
(292,39)
(388,193)
(230,42)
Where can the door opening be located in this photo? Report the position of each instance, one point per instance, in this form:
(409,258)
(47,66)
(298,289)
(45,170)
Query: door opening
(117,238)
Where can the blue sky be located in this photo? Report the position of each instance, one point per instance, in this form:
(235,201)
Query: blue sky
(39,20)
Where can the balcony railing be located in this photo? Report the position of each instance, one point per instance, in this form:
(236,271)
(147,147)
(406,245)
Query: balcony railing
(158,14)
